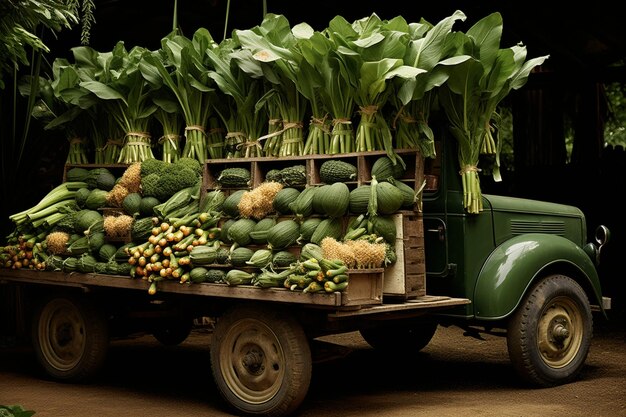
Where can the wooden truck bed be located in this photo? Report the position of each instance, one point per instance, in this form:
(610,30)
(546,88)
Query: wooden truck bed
(364,287)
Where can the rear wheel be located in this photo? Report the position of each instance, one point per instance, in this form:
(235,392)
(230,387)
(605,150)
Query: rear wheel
(261,361)
(70,337)
(410,336)
(550,334)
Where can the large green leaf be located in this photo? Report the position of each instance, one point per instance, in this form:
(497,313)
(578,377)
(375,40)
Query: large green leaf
(103,91)
(486,34)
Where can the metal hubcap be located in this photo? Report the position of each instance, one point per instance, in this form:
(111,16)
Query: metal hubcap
(251,361)
(560,332)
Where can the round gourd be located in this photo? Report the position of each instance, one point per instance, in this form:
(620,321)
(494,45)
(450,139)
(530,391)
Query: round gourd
(384,169)
(335,200)
(81,196)
(203,255)
(308,227)
(239,232)
(331,227)
(231,203)
(389,198)
(213,200)
(96,199)
(198,274)
(302,206)
(107,252)
(320,194)
(283,234)
(86,263)
(96,240)
(76,174)
(284,198)
(132,204)
(359,198)
(311,250)
(239,256)
(87,218)
(283,259)
(385,227)
(408,193)
(70,264)
(105,180)
(224,230)
(147,204)
(259,232)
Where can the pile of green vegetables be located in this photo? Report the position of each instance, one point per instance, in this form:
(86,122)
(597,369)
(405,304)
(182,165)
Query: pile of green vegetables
(280,90)
(281,233)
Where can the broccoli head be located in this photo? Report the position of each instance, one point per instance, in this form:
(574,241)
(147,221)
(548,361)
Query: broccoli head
(152,166)
(174,179)
(191,163)
(150,185)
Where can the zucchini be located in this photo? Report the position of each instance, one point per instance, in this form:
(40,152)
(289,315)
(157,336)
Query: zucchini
(331,286)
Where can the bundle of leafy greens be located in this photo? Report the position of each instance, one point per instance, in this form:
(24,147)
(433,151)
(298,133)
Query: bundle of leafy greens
(244,122)
(182,65)
(272,47)
(126,96)
(414,97)
(480,75)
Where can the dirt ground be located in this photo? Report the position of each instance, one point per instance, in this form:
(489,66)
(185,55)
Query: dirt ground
(453,376)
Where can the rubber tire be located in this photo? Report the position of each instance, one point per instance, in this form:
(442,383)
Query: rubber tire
(408,337)
(70,337)
(556,302)
(278,344)
(173,332)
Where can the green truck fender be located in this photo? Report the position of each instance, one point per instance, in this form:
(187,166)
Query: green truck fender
(514,265)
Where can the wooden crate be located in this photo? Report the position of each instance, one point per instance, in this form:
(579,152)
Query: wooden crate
(259,166)
(407,277)
(365,287)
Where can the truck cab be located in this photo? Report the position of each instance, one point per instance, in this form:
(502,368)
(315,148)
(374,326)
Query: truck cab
(525,265)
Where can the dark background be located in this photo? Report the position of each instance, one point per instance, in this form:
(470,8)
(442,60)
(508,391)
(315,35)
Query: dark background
(586,44)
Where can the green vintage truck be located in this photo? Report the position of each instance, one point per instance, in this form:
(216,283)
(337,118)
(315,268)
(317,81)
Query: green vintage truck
(521,269)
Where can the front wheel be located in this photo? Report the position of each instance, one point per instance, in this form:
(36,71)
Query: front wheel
(261,360)
(70,337)
(549,335)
